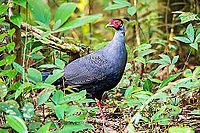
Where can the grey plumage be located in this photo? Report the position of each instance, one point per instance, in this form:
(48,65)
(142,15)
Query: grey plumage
(99,71)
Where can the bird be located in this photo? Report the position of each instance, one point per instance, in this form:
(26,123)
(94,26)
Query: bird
(99,71)
(102,70)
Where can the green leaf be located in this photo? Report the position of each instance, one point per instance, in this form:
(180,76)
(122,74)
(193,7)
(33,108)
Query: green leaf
(74,118)
(174,90)
(34,75)
(131,10)
(2,19)
(44,97)
(187,73)
(116,6)
(18,67)
(197,39)
(10,46)
(22,88)
(40,11)
(16,123)
(37,49)
(188,16)
(146,52)
(194,45)
(16,19)
(28,111)
(3,90)
(122,2)
(36,56)
(10,59)
(171,67)
(76,128)
(182,39)
(128,92)
(165,58)
(169,79)
(196,71)
(48,66)
(41,85)
(140,59)
(175,59)
(190,32)
(11,32)
(59,63)
(20,2)
(3,8)
(147,86)
(79,22)
(44,128)
(59,110)
(4,130)
(58,97)
(197,112)
(10,107)
(3,35)
(181,130)
(157,114)
(55,76)
(63,13)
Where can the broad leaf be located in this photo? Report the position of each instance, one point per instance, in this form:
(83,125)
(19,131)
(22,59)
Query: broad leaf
(63,13)
(3,8)
(116,6)
(40,11)
(194,45)
(76,127)
(58,97)
(55,76)
(44,97)
(18,67)
(17,20)
(10,46)
(44,128)
(21,89)
(48,66)
(131,10)
(190,32)
(182,39)
(16,123)
(34,75)
(169,79)
(59,110)
(10,107)
(28,111)
(143,47)
(181,129)
(59,63)
(175,59)
(188,16)
(165,58)
(20,2)
(79,22)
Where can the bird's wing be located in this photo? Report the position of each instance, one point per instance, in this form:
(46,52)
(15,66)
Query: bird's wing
(88,69)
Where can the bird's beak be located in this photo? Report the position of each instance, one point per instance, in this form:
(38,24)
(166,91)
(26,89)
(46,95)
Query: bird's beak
(109,25)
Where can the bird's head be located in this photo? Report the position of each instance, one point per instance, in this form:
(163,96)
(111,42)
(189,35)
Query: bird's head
(116,24)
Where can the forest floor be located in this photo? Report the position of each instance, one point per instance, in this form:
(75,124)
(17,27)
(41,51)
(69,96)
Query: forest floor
(117,120)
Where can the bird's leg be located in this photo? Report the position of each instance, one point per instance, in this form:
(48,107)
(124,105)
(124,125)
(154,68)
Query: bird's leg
(100,109)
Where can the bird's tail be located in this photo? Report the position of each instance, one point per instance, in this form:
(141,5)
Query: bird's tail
(57,82)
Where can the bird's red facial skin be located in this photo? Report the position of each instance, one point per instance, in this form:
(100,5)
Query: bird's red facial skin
(115,23)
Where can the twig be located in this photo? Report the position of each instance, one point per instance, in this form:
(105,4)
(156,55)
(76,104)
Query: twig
(51,40)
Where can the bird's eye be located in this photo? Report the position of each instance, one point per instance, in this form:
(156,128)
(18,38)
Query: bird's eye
(116,23)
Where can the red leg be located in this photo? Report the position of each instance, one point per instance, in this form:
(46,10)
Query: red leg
(100,109)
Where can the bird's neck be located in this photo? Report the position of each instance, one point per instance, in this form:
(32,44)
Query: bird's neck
(119,36)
